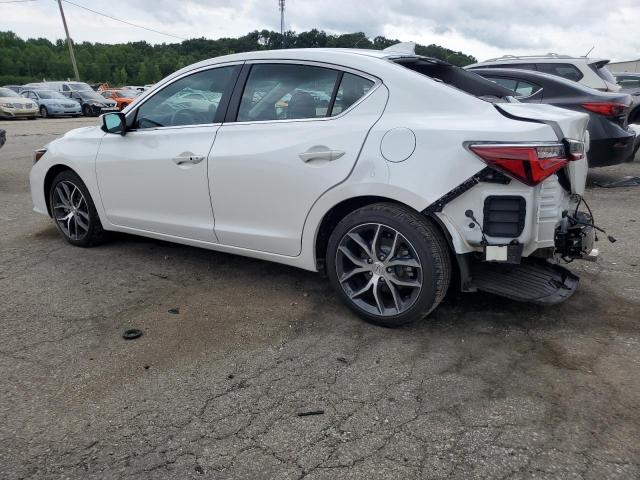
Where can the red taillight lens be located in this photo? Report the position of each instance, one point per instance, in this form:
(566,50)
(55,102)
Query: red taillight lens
(530,164)
(608,109)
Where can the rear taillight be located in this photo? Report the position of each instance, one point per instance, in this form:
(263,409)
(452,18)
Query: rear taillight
(530,164)
(608,109)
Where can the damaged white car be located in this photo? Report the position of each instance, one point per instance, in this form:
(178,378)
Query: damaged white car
(394,173)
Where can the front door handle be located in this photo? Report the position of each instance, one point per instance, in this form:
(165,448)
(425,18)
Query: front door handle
(185,158)
(324,154)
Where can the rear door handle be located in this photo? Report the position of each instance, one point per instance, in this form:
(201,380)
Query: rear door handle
(320,155)
(184,159)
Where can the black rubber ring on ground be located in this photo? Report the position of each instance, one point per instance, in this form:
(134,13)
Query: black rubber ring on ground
(132,334)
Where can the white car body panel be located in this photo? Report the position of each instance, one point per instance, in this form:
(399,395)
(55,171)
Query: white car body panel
(156,194)
(262,190)
(275,213)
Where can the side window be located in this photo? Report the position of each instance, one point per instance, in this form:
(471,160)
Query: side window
(191,100)
(352,88)
(628,82)
(286,91)
(525,89)
(564,70)
(505,82)
(65,88)
(106,94)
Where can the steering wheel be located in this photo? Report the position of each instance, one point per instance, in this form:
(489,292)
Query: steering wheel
(183,116)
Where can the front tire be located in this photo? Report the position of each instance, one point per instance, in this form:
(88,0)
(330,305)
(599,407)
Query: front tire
(44,113)
(86,111)
(389,264)
(73,211)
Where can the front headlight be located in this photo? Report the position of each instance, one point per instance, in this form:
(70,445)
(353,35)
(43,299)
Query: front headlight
(6,105)
(37,155)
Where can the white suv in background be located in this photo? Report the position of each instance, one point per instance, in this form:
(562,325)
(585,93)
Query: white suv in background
(591,72)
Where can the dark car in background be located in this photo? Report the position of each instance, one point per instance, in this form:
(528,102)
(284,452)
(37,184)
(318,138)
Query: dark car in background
(630,83)
(93,104)
(612,141)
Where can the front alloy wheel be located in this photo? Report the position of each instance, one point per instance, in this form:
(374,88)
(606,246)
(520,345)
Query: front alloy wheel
(73,210)
(70,210)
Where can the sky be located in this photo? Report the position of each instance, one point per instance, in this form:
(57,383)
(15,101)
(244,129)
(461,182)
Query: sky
(482,28)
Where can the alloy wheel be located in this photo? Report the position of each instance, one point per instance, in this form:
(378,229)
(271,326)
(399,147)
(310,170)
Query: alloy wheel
(70,210)
(379,269)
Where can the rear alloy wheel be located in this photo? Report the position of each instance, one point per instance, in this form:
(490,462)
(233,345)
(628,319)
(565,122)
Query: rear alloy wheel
(389,264)
(44,113)
(73,210)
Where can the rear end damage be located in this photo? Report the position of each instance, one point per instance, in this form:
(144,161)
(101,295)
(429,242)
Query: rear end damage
(513,223)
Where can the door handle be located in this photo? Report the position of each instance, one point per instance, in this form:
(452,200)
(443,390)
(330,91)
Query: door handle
(184,159)
(320,155)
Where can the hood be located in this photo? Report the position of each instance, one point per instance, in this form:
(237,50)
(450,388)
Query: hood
(15,100)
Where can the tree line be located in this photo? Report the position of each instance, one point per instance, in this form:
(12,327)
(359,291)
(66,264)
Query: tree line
(139,63)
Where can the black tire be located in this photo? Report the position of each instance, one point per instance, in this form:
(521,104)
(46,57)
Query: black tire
(94,233)
(44,113)
(426,240)
(86,111)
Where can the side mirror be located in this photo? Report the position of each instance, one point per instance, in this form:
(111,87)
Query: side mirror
(114,123)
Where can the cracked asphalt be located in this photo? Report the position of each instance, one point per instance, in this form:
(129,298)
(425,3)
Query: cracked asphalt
(485,388)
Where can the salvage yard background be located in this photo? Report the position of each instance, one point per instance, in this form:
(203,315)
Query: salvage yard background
(485,388)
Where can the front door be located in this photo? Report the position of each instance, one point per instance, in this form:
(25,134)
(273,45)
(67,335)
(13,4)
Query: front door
(297,132)
(155,177)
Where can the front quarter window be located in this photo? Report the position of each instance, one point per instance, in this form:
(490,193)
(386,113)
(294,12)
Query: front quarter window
(191,100)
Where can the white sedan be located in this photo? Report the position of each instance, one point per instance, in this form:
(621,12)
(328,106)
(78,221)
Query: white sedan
(391,172)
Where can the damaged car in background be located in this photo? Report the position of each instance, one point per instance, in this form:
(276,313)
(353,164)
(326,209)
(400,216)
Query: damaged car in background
(612,140)
(414,170)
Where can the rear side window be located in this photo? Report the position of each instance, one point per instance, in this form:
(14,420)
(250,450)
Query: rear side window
(521,88)
(352,88)
(521,66)
(286,92)
(564,70)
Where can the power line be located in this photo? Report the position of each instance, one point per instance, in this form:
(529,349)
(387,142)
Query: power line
(18,1)
(122,21)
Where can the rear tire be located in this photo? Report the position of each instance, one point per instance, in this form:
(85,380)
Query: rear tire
(389,264)
(74,212)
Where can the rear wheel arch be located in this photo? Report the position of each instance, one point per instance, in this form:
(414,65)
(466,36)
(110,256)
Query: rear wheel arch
(339,211)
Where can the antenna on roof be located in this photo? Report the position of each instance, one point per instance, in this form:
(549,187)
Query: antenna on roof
(587,54)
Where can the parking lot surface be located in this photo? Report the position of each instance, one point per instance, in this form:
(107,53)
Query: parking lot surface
(236,352)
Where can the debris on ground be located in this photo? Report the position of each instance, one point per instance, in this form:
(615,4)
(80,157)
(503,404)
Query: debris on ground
(626,181)
(132,334)
(311,412)
(160,275)
(174,311)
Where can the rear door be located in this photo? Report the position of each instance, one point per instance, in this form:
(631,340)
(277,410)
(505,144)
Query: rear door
(294,130)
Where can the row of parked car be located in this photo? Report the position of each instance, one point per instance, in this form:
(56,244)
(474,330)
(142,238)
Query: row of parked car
(55,99)
(582,84)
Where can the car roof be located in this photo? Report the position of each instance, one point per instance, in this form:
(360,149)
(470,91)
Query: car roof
(549,57)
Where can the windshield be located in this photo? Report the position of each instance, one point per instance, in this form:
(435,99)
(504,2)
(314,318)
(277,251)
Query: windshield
(80,87)
(5,92)
(50,94)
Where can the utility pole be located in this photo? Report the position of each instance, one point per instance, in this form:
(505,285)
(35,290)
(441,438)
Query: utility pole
(66,30)
(281,6)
